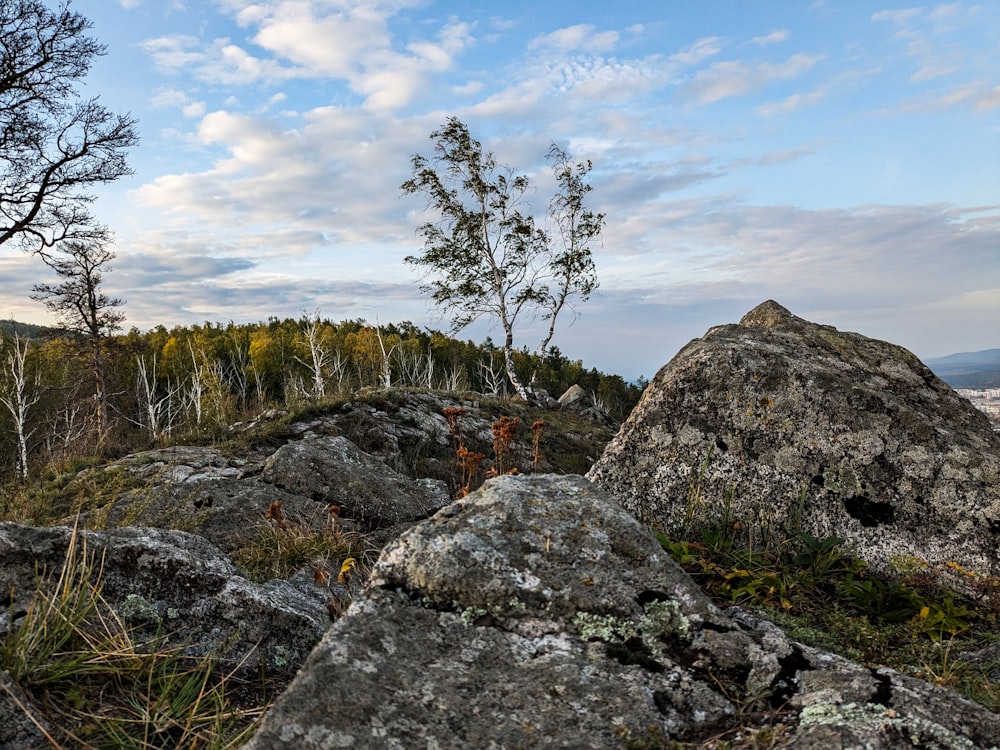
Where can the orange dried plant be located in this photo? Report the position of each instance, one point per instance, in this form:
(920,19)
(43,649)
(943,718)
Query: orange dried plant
(468,464)
(504,432)
(274,514)
(454,416)
(536,437)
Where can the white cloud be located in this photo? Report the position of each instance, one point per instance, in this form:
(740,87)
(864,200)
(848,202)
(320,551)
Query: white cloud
(946,11)
(792,103)
(581,37)
(930,72)
(169,97)
(739,77)
(900,16)
(988,100)
(779,35)
(976,95)
(700,50)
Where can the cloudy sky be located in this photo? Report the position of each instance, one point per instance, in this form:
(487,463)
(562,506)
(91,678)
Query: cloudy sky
(840,157)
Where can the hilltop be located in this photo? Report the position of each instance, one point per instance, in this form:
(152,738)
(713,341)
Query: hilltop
(968,369)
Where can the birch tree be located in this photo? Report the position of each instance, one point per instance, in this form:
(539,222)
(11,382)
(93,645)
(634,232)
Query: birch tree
(484,256)
(19,394)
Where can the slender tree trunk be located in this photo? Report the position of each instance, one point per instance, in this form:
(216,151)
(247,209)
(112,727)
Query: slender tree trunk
(100,390)
(508,360)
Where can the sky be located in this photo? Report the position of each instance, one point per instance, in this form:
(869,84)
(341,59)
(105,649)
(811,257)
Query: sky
(842,158)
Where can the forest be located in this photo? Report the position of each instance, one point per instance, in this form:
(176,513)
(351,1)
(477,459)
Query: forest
(189,384)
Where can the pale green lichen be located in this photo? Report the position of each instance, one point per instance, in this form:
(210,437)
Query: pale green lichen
(881,720)
(606,628)
(137,610)
(470,614)
(661,621)
(664,619)
(280,656)
(511,608)
(843,481)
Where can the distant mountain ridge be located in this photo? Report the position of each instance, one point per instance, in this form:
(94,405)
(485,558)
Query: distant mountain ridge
(968,369)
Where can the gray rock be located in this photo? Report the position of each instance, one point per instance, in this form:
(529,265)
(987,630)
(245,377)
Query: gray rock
(783,424)
(536,612)
(333,470)
(193,489)
(576,398)
(180,584)
(16,729)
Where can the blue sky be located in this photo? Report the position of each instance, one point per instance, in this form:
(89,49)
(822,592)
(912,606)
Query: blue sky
(842,158)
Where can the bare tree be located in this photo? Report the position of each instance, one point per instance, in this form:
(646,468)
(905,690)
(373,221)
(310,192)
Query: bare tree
(54,145)
(157,411)
(19,395)
(84,309)
(491,374)
(319,357)
(386,369)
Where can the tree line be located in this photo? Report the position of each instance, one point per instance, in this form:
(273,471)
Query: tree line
(89,388)
(165,386)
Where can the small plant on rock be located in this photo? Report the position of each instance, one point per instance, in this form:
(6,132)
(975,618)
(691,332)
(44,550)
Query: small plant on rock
(504,431)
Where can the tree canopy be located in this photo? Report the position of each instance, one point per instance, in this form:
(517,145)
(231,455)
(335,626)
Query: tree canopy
(485,256)
(54,144)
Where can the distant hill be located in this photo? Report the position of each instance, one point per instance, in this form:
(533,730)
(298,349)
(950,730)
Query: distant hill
(968,369)
(23,330)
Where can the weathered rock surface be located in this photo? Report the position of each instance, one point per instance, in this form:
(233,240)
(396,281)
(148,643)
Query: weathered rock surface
(193,489)
(332,470)
(781,423)
(180,583)
(537,612)
(224,500)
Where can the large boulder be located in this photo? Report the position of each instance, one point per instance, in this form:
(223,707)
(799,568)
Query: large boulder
(173,583)
(777,424)
(537,612)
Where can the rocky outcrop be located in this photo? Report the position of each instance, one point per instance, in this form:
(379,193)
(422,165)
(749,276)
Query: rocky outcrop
(194,489)
(333,471)
(224,500)
(385,461)
(177,583)
(780,424)
(537,612)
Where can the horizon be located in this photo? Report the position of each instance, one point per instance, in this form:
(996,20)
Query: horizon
(839,159)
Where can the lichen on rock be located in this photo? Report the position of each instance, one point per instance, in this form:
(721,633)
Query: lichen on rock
(790,425)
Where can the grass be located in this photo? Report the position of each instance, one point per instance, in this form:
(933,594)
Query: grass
(917,622)
(280,547)
(96,683)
